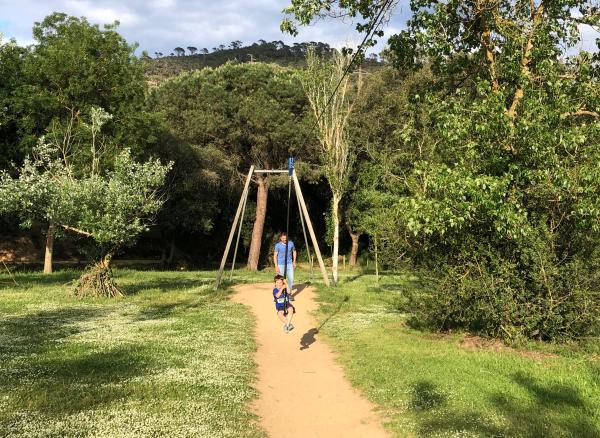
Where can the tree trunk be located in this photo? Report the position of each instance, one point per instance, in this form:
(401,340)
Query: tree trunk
(335,217)
(376,261)
(49,249)
(98,281)
(163,257)
(354,251)
(106,261)
(171,252)
(259,222)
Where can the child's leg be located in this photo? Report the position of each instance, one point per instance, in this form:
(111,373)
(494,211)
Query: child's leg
(281,316)
(290,314)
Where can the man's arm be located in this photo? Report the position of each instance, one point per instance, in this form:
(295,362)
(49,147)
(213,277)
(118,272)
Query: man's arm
(275,262)
(294,254)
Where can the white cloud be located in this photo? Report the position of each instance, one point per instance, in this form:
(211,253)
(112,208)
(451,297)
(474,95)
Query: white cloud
(161,25)
(588,38)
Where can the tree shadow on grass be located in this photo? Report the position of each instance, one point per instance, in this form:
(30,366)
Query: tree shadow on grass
(73,381)
(27,280)
(164,285)
(39,331)
(547,411)
(41,374)
(352,278)
(425,395)
(554,410)
(167,310)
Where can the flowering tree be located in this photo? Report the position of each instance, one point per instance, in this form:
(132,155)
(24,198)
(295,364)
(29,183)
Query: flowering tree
(112,208)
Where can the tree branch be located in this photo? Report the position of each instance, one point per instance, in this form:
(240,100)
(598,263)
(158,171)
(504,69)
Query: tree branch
(581,112)
(77,231)
(536,15)
(486,41)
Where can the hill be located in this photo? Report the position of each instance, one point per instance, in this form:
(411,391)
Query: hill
(162,67)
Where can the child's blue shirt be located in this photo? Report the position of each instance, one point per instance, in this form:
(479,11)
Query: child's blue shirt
(281,301)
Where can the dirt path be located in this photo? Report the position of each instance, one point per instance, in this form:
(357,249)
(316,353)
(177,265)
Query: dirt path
(303,392)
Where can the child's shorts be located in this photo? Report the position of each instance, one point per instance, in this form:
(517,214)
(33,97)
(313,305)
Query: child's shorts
(281,307)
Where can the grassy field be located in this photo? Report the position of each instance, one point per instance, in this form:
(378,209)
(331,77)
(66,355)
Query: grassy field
(455,385)
(173,359)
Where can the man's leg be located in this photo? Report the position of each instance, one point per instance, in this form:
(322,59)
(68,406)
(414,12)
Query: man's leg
(290,277)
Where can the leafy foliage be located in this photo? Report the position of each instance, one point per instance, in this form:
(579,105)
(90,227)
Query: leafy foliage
(488,172)
(110,206)
(112,209)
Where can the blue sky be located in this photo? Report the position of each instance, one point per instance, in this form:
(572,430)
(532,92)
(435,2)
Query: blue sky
(161,25)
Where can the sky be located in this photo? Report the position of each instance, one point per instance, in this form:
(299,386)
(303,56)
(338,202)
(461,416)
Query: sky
(161,25)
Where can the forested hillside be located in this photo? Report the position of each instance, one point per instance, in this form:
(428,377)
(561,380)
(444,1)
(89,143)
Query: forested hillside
(162,66)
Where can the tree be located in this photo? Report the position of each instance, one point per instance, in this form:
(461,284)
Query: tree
(12,58)
(237,44)
(328,90)
(192,50)
(180,51)
(112,207)
(504,213)
(72,67)
(254,113)
(372,12)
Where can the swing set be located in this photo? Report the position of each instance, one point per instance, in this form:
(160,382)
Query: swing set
(304,219)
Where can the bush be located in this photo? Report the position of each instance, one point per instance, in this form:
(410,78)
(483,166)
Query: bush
(496,297)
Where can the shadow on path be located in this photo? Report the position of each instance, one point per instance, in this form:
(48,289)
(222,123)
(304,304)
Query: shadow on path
(308,338)
(300,288)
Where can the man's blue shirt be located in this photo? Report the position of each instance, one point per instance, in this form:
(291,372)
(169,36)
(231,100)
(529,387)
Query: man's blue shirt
(280,250)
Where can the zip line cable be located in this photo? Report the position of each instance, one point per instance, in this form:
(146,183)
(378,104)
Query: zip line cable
(287,230)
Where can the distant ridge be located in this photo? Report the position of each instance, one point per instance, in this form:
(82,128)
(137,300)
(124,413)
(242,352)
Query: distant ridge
(164,66)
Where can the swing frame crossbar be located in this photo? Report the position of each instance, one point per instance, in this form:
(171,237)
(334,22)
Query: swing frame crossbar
(239,218)
(270,171)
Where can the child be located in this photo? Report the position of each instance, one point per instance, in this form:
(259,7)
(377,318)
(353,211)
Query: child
(282,303)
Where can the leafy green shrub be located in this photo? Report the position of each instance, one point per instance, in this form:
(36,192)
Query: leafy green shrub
(500,298)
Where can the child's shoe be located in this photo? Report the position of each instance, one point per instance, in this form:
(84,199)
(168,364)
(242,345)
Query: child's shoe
(285,328)
(290,327)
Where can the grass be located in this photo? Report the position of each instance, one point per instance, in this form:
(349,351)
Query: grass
(173,358)
(454,385)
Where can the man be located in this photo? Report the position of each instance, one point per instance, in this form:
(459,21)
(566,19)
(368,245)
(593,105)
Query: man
(280,262)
